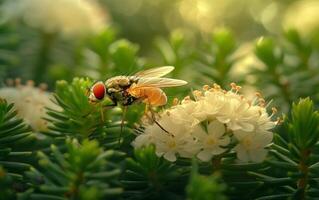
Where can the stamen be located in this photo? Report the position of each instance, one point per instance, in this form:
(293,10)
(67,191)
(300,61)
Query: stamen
(168,113)
(258,94)
(279,121)
(187,98)
(30,83)
(206,87)
(216,86)
(17,82)
(233,86)
(197,93)
(175,102)
(262,102)
(43,87)
(274,110)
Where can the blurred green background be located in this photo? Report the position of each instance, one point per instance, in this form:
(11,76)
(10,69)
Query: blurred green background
(265,44)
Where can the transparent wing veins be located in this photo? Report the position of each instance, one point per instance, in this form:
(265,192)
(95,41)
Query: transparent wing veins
(160,82)
(154,72)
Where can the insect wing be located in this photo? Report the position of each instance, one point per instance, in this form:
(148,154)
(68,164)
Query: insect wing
(160,82)
(154,72)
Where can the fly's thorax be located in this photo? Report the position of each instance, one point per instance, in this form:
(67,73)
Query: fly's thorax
(120,82)
(116,87)
(117,81)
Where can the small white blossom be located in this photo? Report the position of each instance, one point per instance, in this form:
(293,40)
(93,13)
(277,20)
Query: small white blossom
(172,139)
(185,113)
(263,121)
(237,114)
(30,103)
(69,17)
(205,126)
(212,141)
(210,105)
(251,146)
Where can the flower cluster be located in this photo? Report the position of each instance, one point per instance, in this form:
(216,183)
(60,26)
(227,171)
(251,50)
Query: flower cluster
(216,122)
(30,102)
(69,17)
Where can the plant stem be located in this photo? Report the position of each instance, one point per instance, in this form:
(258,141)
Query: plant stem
(43,60)
(216,163)
(283,86)
(303,167)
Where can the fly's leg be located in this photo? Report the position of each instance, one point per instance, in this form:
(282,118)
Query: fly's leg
(122,124)
(153,119)
(114,104)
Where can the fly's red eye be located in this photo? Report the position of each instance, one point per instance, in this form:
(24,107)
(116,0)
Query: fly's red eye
(99,90)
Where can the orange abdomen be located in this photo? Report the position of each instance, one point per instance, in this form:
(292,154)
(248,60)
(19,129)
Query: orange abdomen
(150,95)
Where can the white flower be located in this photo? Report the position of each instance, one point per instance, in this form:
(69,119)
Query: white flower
(69,17)
(171,139)
(185,113)
(170,146)
(225,115)
(237,113)
(263,121)
(146,138)
(210,105)
(251,146)
(30,103)
(212,141)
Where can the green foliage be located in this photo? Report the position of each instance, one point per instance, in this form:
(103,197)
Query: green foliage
(175,51)
(79,118)
(13,132)
(5,185)
(123,54)
(211,186)
(9,42)
(303,127)
(293,165)
(149,177)
(218,59)
(289,72)
(114,56)
(82,172)
(86,159)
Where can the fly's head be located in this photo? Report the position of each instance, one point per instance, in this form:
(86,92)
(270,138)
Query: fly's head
(97,92)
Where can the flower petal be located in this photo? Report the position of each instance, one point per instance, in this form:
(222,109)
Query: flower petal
(224,141)
(263,139)
(217,150)
(204,155)
(242,154)
(170,156)
(241,134)
(216,128)
(199,133)
(258,155)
